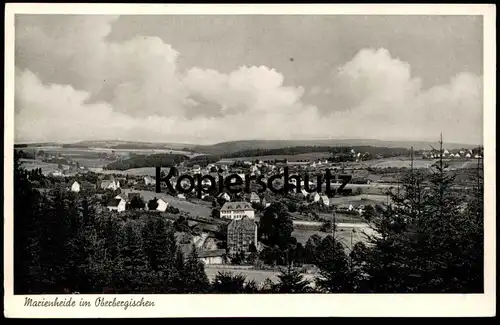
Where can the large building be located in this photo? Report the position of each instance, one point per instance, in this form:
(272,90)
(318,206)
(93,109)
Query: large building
(237,210)
(241,235)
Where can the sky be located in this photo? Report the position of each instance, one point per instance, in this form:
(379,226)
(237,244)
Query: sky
(208,79)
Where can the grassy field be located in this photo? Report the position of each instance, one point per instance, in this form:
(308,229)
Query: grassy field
(47,168)
(347,236)
(97,157)
(259,276)
(201,208)
(359,199)
(143,171)
(401,163)
(291,158)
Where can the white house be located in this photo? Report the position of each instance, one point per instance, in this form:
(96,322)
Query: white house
(117,205)
(212,257)
(196,169)
(75,187)
(121,196)
(110,185)
(325,200)
(225,196)
(237,210)
(254,198)
(162,205)
(345,207)
(253,169)
(149,180)
(315,197)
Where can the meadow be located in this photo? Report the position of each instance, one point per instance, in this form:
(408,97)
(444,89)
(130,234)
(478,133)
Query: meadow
(346,235)
(200,208)
(291,158)
(31,164)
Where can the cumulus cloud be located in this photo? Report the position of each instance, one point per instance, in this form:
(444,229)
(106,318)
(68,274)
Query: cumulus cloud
(72,83)
(378,91)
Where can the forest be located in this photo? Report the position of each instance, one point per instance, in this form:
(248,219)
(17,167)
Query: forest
(154,160)
(429,240)
(385,152)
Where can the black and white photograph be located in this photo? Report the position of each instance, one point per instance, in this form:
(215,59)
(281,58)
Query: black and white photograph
(247,154)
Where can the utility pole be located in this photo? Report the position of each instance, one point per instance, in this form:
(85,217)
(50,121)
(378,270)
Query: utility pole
(333,235)
(441,151)
(478,191)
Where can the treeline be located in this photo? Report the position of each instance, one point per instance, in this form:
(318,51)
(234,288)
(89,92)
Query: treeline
(139,161)
(140,146)
(75,146)
(25,154)
(374,151)
(202,160)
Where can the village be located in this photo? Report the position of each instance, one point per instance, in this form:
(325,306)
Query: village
(224,226)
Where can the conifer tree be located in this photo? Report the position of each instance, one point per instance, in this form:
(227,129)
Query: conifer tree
(423,242)
(195,278)
(334,275)
(291,281)
(225,282)
(132,260)
(160,248)
(28,207)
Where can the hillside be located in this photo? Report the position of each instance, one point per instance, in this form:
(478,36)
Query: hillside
(237,146)
(140,161)
(119,144)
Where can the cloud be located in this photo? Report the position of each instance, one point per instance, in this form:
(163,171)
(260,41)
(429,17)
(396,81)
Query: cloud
(378,94)
(72,83)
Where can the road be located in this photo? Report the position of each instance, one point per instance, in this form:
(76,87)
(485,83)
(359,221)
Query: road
(340,224)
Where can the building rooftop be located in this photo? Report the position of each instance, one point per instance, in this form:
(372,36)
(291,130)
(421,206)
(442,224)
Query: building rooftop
(242,224)
(242,206)
(212,253)
(114,202)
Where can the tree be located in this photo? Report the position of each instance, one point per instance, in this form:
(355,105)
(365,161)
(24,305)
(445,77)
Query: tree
(328,226)
(178,282)
(311,249)
(425,242)
(181,224)
(291,281)
(132,259)
(334,275)
(225,282)
(173,210)
(195,278)
(238,258)
(251,287)
(160,248)
(137,203)
(276,226)
(357,260)
(28,207)
(369,213)
(215,213)
(153,204)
